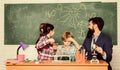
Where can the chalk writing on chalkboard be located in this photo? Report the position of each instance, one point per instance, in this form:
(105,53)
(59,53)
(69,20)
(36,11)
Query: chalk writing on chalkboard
(22,20)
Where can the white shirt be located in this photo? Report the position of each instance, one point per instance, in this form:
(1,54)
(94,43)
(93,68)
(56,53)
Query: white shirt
(96,37)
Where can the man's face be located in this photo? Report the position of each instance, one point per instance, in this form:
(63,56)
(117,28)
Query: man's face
(90,29)
(90,25)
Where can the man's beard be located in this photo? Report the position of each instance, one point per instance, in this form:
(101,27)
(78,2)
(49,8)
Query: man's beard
(90,32)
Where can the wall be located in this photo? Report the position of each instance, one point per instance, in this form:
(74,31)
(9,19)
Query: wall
(9,51)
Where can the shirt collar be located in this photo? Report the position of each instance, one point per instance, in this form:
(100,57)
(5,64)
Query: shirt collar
(96,35)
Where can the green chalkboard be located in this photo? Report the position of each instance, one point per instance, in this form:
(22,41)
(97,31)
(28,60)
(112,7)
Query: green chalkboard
(22,20)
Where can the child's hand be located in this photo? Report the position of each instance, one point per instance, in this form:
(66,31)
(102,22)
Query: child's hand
(51,40)
(55,45)
(74,42)
(70,39)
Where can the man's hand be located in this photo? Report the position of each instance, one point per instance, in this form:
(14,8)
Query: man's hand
(99,50)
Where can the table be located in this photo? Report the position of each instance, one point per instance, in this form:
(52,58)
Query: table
(48,65)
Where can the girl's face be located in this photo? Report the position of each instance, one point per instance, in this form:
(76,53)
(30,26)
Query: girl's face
(52,32)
